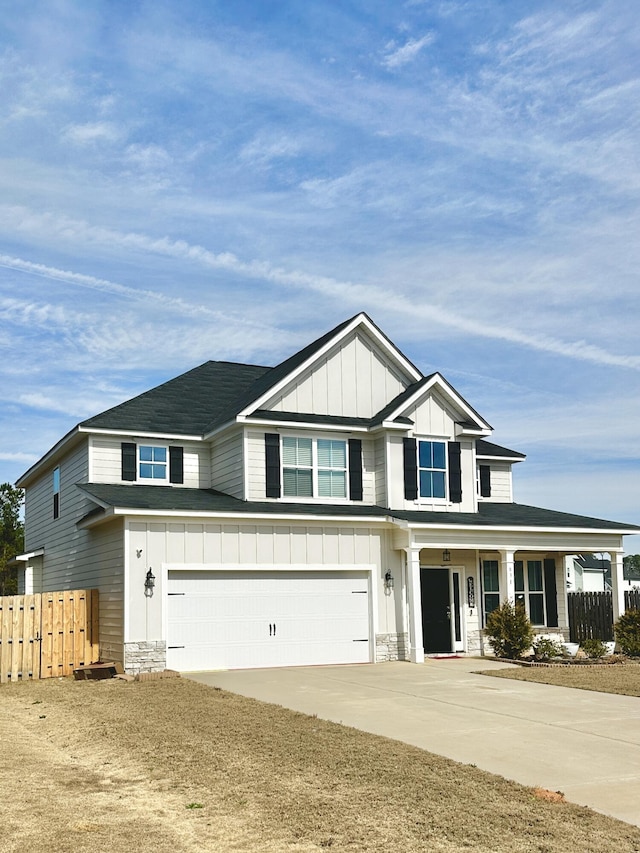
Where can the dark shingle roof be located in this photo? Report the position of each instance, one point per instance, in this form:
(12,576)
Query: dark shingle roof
(187,404)
(488,448)
(167,498)
(204,398)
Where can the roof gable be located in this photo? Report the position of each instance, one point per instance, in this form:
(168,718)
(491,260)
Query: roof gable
(434,385)
(321,378)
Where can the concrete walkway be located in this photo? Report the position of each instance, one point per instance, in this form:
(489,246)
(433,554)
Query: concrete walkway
(582,743)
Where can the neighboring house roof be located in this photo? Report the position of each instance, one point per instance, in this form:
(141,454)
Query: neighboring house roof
(593,563)
(168,498)
(494,451)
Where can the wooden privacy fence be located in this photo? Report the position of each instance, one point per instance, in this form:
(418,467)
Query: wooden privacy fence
(47,634)
(591,614)
(632,599)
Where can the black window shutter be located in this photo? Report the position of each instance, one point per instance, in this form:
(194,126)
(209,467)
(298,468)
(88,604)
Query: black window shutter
(455,473)
(176,464)
(355,469)
(551,592)
(272,462)
(485,481)
(410,469)
(129,459)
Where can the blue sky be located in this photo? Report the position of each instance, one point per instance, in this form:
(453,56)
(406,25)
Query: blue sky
(213,180)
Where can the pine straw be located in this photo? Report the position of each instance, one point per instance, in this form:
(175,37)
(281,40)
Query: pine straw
(615,678)
(258,778)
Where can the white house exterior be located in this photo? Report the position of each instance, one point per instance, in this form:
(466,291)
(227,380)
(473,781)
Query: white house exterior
(337,508)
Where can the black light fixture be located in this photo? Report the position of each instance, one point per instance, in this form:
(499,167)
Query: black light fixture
(149,583)
(388,580)
(446,556)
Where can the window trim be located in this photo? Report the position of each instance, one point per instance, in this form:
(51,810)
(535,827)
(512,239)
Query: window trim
(140,462)
(421,499)
(315,468)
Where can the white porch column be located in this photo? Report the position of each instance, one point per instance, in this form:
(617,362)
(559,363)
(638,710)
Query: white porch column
(507,577)
(617,584)
(416,643)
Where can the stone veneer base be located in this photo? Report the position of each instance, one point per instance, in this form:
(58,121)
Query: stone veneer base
(145,656)
(392,647)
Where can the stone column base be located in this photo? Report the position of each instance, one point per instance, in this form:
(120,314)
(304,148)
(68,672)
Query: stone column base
(392,647)
(145,656)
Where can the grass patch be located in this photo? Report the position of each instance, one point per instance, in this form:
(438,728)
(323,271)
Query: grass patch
(614,678)
(269,779)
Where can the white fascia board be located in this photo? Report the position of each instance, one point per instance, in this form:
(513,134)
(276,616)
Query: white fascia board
(359,320)
(393,425)
(437,381)
(516,528)
(500,458)
(24,558)
(323,427)
(47,459)
(95,520)
(249,517)
(141,434)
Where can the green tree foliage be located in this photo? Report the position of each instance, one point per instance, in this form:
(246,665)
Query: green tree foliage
(631,565)
(11,536)
(627,630)
(509,630)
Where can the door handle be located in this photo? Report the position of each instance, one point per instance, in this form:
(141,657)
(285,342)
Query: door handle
(448,613)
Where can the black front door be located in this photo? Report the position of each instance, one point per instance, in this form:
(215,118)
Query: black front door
(436,610)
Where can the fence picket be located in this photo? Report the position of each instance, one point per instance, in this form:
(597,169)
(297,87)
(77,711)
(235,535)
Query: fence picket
(47,634)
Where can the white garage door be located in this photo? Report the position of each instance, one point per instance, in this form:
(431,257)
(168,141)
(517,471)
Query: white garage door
(227,620)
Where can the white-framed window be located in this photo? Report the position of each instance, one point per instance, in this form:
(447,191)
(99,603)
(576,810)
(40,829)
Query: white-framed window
(529,585)
(432,469)
(314,467)
(152,462)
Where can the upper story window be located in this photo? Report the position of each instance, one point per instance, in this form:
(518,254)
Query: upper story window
(56,492)
(152,462)
(307,467)
(432,469)
(314,467)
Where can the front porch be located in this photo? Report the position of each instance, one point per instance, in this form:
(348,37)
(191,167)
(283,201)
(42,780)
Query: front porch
(449,592)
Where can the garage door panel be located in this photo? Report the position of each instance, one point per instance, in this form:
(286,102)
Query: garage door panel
(222,620)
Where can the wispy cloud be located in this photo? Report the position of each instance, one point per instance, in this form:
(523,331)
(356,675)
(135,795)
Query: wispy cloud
(396,56)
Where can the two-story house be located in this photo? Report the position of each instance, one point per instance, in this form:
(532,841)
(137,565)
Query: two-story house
(337,508)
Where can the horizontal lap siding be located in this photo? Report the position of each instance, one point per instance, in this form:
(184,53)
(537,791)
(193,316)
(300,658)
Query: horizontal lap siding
(74,558)
(380,468)
(227,460)
(500,481)
(256,462)
(106,461)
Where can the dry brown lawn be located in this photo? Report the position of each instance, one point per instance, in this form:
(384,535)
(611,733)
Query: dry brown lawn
(606,678)
(171,766)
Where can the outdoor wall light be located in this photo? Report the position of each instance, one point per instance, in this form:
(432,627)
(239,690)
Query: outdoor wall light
(138,552)
(388,581)
(446,556)
(149,583)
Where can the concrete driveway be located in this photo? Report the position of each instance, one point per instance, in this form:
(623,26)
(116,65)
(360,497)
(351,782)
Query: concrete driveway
(585,744)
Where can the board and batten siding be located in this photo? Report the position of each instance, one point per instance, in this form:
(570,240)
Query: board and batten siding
(244,545)
(105,457)
(74,558)
(227,462)
(354,380)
